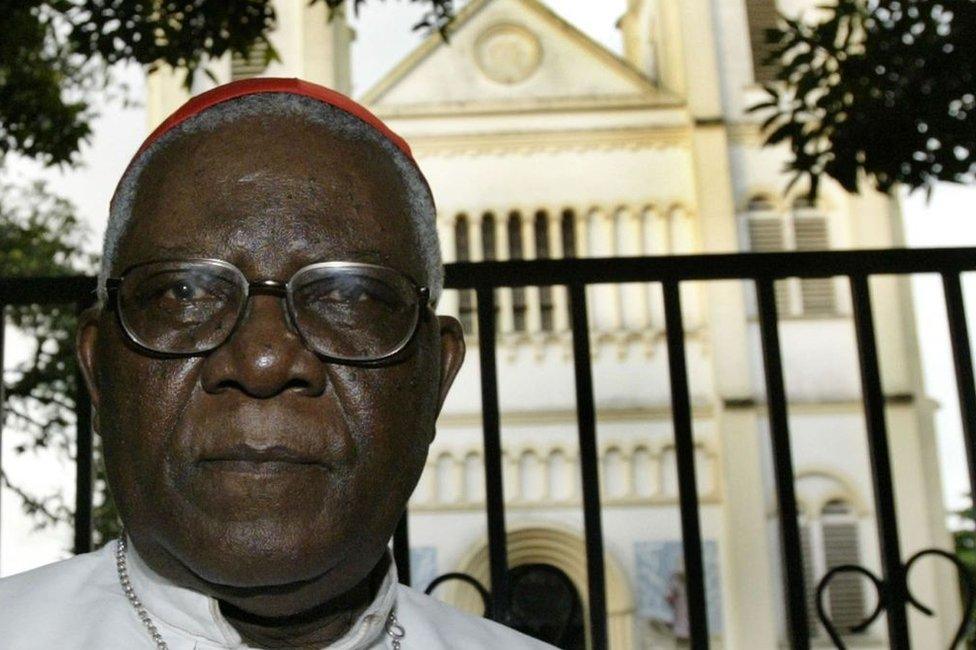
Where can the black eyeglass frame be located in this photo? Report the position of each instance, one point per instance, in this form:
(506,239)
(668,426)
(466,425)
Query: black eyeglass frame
(423,309)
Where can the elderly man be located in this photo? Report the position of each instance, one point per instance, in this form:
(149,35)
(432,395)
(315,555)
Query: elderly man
(266,368)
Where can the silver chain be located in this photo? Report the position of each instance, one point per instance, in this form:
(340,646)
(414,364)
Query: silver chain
(131,594)
(395,631)
(393,628)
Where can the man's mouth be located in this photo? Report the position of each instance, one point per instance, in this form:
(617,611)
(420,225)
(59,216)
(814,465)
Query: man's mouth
(246,459)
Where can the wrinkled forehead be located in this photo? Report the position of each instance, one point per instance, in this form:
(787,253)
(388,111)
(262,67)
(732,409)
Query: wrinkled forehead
(270,195)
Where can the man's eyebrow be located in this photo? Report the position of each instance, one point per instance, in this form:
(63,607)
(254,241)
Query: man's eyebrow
(364,254)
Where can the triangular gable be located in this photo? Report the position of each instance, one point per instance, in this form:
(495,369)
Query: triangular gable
(516,52)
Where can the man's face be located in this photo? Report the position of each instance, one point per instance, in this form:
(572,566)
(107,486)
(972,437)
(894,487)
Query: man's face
(269,196)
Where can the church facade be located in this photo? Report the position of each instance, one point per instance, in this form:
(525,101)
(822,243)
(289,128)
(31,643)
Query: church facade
(539,142)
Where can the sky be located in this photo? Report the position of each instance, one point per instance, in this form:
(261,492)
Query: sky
(383,37)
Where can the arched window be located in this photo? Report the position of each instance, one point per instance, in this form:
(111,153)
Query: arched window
(516,252)
(546,306)
(766,235)
(765,226)
(515,235)
(810,234)
(466,307)
(568,230)
(488,244)
(803,228)
(489,251)
(461,243)
(829,539)
(840,546)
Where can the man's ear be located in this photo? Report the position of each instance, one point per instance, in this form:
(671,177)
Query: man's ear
(86,338)
(452,354)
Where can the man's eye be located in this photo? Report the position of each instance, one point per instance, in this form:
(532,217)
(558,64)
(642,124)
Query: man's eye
(184,291)
(347,295)
(359,295)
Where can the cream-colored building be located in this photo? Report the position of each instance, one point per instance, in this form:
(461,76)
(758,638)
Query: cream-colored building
(539,142)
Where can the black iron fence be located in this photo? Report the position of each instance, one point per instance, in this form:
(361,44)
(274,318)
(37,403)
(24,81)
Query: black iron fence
(894,596)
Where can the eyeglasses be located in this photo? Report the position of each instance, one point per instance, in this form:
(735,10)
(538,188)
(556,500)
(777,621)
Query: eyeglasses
(344,311)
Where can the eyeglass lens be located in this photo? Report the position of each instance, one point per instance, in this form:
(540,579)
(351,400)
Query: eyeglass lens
(355,312)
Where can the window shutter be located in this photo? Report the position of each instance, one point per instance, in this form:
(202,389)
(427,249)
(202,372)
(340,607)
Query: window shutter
(846,592)
(242,67)
(817,294)
(766,236)
(762,16)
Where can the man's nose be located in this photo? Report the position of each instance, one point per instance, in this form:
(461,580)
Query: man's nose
(264,356)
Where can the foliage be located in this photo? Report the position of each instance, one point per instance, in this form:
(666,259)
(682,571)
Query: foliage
(965,547)
(877,89)
(54,55)
(41,236)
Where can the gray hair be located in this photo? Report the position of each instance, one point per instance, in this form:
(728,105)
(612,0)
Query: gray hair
(421,202)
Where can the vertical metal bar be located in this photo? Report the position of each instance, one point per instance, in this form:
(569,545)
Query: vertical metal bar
(685,452)
(789,529)
(894,579)
(494,490)
(401,549)
(962,357)
(83,461)
(589,468)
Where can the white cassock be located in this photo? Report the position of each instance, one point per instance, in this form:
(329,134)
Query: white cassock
(79,604)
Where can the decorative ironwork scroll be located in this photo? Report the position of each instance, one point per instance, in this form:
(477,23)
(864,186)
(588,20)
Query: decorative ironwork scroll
(463,577)
(966,577)
(545,604)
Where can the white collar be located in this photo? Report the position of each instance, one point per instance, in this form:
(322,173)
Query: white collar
(198,615)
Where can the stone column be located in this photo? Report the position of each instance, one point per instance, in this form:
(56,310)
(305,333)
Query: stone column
(533,318)
(655,242)
(165,93)
(614,315)
(751,610)
(921,522)
(457,480)
(325,46)
(511,477)
(682,232)
(584,249)
(605,305)
(633,296)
